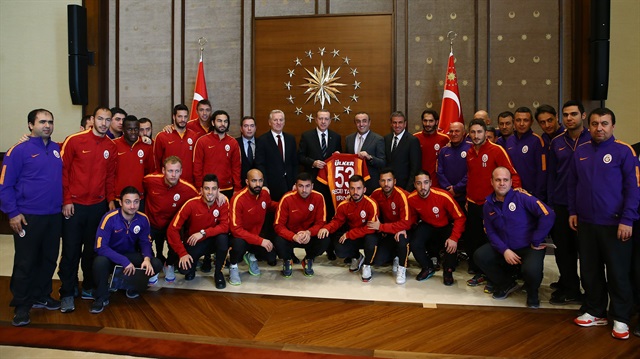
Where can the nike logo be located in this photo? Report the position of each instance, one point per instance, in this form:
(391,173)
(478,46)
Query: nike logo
(492,213)
(583,158)
(295,210)
(121,153)
(118,230)
(508,148)
(86,151)
(447,155)
(212,146)
(561,148)
(154,192)
(36,155)
(198,214)
(170,142)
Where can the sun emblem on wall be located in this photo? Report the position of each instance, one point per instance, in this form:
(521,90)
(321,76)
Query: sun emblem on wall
(325,85)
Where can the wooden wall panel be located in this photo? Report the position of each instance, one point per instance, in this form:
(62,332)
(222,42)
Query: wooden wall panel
(365,40)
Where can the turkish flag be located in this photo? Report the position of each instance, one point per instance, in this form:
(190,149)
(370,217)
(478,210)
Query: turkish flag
(451,110)
(200,91)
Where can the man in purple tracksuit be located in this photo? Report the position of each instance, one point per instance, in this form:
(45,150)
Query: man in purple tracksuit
(516,224)
(561,153)
(452,164)
(603,204)
(547,118)
(31,196)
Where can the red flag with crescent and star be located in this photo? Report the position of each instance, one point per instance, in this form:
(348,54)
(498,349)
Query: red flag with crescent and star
(200,91)
(451,110)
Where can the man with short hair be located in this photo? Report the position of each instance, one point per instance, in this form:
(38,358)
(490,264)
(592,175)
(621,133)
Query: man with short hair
(122,239)
(146,129)
(431,141)
(603,204)
(179,142)
(356,212)
(505,125)
(115,127)
(218,153)
(547,118)
(247,143)
(31,196)
(369,146)
(394,210)
(318,144)
(86,123)
(402,151)
(452,163)
(88,157)
(517,224)
(201,125)
(491,134)
(248,210)
(300,215)
(207,229)
(440,223)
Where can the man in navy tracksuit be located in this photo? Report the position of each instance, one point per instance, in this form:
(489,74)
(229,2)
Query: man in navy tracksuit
(603,204)
(31,196)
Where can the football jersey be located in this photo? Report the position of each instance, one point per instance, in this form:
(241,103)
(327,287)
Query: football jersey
(340,167)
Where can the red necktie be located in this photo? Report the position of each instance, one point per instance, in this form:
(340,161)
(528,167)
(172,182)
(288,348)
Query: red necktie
(280,148)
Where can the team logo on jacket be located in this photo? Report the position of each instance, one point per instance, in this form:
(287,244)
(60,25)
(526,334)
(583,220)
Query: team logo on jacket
(363,214)
(216,213)
(311,207)
(264,205)
(512,206)
(436,147)
(176,197)
(227,148)
(525,149)
(393,205)
(485,158)
(189,141)
(463,154)
(136,229)
(606,158)
(106,154)
(56,153)
(140,153)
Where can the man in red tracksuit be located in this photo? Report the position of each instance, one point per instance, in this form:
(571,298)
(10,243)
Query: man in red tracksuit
(207,228)
(431,141)
(88,184)
(248,210)
(179,142)
(201,124)
(135,158)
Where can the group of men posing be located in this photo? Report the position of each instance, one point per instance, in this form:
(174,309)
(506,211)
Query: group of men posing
(389,196)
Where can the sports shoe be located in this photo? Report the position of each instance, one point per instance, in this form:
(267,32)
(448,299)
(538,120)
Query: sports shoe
(559,298)
(252,262)
(356,263)
(47,303)
(447,277)
(425,274)
(533,303)
(366,273)
(620,330)
(488,288)
(396,264)
(636,331)
(504,293)
(477,280)
(169,274)
(87,294)
(98,306)
(219,279)
(462,256)
(588,320)
(190,276)
(436,264)
(401,275)
(307,267)
(331,255)
(234,275)
(554,285)
(21,317)
(67,305)
(286,268)
(295,259)
(206,265)
(132,294)
(153,280)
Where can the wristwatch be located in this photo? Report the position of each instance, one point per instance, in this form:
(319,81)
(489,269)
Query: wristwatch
(203,232)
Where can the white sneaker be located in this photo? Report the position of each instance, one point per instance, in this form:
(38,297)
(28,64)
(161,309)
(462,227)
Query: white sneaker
(366,273)
(169,274)
(620,330)
(396,264)
(153,280)
(356,263)
(401,277)
(234,275)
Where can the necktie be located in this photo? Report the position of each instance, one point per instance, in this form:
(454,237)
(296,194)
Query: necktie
(359,146)
(395,143)
(324,145)
(250,151)
(280,147)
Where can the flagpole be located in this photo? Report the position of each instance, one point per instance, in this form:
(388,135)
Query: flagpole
(451,35)
(202,41)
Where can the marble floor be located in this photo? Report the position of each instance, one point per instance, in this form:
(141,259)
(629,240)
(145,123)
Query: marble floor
(333,280)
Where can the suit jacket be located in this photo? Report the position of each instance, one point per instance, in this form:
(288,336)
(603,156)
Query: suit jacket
(405,160)
(279,175)
(310,149)
(247,163)
(374,146)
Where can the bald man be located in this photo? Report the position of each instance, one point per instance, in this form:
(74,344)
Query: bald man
(483,115)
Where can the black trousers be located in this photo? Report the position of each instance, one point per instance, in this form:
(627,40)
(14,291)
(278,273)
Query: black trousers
(475,235)
(635,263)
(35,258)
(103,266)
(313,248)
(377,250)
(427,241)
(599,247)
(78,240)
(219,244)
(159,237)
(239,247)
(566,253)
(499,271)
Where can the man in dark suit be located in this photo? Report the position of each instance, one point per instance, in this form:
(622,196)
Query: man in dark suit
(402,151)
(369,146)
(276,157)
(248,144)
(318,144)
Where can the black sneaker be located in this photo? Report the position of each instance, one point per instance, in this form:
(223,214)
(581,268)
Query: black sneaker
(206,266)
(132,294)
(98,306)
(307,266)
(425,274)
(447,277)
(560,298)
(533,303)
(286,268)
(191,275)
(47,303)
(219,279)
(21,317)
(554,285)
(504,293)
(331,255)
